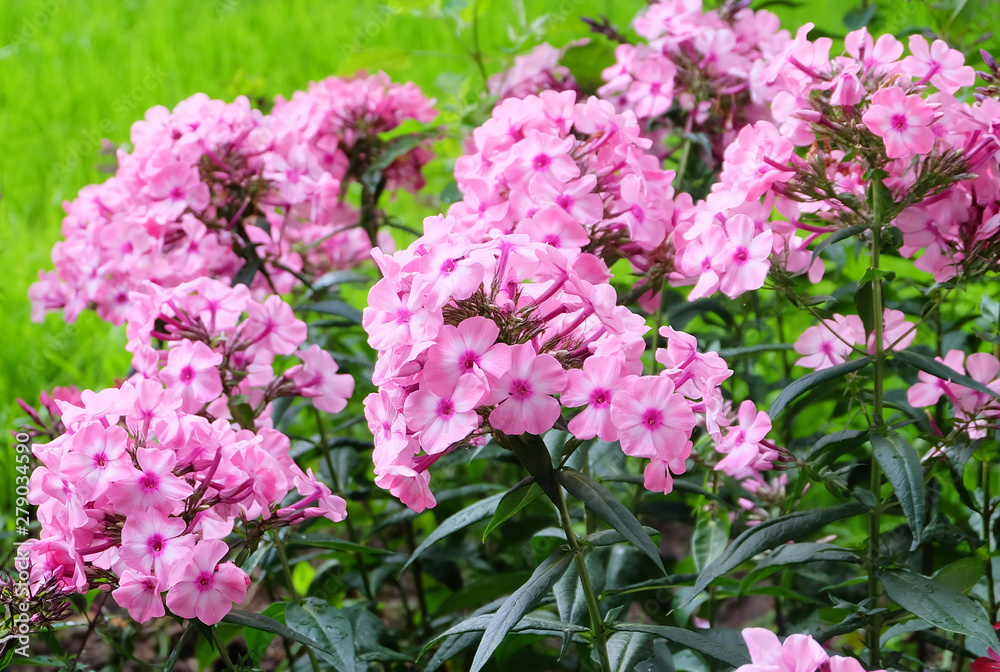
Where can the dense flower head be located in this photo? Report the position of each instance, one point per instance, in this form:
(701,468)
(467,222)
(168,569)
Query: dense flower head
(220,347)
(536,71)
(138,494)
(705,65)
(497,337)
(837,122)
(572,175)
(214,188)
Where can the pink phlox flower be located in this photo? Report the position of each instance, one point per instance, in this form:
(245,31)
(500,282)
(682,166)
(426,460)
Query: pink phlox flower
(939,64)
(902,121)
(154,543)
(593,387)
(192,370)
(468,348)
(524,392)
(140,594)
(272,326)
(748,252)
(441,420)
(741,444)
(97,459)
(318,379)
(653,421)
(930,388)
(830,342)
(155,486)
(203,588)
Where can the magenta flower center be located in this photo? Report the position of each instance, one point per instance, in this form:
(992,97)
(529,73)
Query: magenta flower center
(520,389)
(155,543)
(899,122)
(652,418)
(541,162)
(446,408)
(187,374)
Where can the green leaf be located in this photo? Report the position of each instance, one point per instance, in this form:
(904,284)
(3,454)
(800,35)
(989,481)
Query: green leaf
(940,605)
(175,654)
(333,543)
(333,307)
(258,640)
(901,465)
(963,574)
(628,649)
(518,604)
(396,148)
(936,368)
(611,537)
(464,518)
(534,456)
(797,554)
(249,619)
(325,624)
(768,535)
(513,501)
(482,590)
(606,506)
(691,640)
(864,301)
(990,309)
(873,274)
(815,379)
(838,236)
(709,541)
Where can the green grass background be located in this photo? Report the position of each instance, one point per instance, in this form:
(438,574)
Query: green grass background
(73,72)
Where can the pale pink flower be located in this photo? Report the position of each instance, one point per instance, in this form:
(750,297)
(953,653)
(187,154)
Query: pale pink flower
(205,589)
(742,443)
(97,460)
(594,388)
(442,420)
(140,594)
(653,421)
(469,348)
(938,63)
(154,543)
(192,370)
(902,121)
(318,379)
(747,262)
(155,486)
(524,393)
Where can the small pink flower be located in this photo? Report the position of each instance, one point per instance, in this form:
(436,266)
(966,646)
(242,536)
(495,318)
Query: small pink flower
(742,444)
(140,594)
(829,343)
(203,588)
(153,487)
(653,421)
(943,66)
(466,349)
(274,327)
(192,369)
(524,393)
(747,263)
(153,543)
(594,388)
(902,121)
(317,378)
(98,459)
(443,420)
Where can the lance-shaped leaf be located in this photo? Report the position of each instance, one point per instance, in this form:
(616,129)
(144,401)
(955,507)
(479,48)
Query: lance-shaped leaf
(901,465)
(837,236)
(523,600)
(467,516)
(939,370)
(603,503)
(249,619)
(333,543)
(815,379)
(770,534)
(628,649)
(513,501)
(940,605)
(691,640)
(326,625)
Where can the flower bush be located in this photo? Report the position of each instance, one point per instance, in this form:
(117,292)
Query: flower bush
(757,266)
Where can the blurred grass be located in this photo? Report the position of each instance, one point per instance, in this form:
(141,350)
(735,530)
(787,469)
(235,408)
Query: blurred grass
(72,73)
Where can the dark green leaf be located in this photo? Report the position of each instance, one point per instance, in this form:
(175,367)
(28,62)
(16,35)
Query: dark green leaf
(815,379)
(334,307)
(729,353)
(606,506)
(936,368)
(837,236)
(628,649)
(175,654)
(467,516)
(249,619)
(246,274)
(610,537)
(691,640)
(939,605)
(326,625)
(513,501)
(332,543)
(770,534)
(517,605)
(534,456)
(901,465)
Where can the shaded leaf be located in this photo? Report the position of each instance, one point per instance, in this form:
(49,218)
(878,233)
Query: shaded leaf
(691,640)
(326,625)
(628,649)
(464,518)
(332,543)
(513,501)
(815,379)
(522,601)
(939,370)
(606,506)
(901,466)
(939,605)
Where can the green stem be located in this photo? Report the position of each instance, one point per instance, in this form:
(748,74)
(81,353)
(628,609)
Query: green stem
(875,516)
(222,649)
(279,545)
(987,529)
(596,620)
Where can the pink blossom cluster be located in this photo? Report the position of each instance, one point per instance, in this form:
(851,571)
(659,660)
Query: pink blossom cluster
(832,341)
(536,71)
(975,412)
(797,653)
(868,111)
(475,338)
(572,175)
(138,495)
(708,63)
(220,347)
(211,188)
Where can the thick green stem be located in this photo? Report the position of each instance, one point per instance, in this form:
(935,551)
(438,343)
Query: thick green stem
(596,620)
(222,649)
(875,516)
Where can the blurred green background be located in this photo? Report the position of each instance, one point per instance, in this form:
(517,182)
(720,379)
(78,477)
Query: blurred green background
(72,73)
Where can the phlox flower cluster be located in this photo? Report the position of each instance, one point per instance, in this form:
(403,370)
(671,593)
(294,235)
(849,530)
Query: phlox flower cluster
(212,188)
(572,175)
(870,111)
(833,340)
(478,338)
(975,412)
(220,347)
(696,70)
(536,71)
(137,496)
(797,653)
